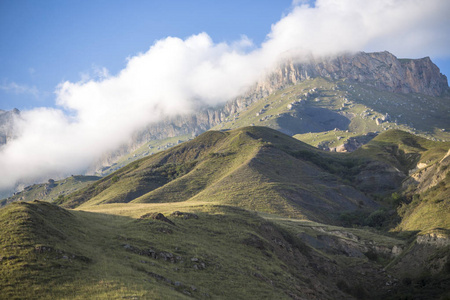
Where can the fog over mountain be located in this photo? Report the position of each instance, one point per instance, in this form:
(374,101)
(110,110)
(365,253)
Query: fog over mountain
(177,76)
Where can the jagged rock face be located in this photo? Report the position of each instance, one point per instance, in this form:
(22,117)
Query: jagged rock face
(7,124)
(423,76)
(381,70)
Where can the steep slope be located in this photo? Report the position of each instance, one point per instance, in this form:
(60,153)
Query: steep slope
(147,174)
(379,69)
(255,167)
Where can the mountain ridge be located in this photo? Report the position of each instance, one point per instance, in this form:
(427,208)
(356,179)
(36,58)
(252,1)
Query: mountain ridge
(380,70)
(283,175)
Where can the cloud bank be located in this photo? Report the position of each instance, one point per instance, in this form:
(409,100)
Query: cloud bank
(177,76)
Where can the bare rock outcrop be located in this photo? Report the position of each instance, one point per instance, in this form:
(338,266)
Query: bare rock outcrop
(380,69)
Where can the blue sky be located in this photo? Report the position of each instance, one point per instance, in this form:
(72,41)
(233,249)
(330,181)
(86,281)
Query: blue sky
(43,43)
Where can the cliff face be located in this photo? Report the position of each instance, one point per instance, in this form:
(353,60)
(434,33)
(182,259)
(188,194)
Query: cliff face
(423,76)
(381,70)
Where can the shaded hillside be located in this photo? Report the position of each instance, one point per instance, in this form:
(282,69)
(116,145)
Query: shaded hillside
(418,169)
(425,204)
(395,154)
(403,150)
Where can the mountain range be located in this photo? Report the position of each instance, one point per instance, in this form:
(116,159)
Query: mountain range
(328,179)
(362,93)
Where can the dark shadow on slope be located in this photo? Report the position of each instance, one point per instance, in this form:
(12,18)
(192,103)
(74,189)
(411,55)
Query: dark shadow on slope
(311,119)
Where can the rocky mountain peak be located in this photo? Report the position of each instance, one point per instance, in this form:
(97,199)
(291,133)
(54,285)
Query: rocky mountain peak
(381,70)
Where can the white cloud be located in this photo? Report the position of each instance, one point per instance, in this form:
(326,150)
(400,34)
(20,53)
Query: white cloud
(177,76)
(407,28)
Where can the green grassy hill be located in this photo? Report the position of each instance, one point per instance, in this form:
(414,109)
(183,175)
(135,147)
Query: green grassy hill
(195,250)
(260,169)
(248,213)
(254,167)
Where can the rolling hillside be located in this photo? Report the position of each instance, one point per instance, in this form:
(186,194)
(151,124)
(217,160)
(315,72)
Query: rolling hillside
(254,167)
(247,213)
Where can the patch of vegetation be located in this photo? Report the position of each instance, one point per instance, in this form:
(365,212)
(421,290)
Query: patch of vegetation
(352,218)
